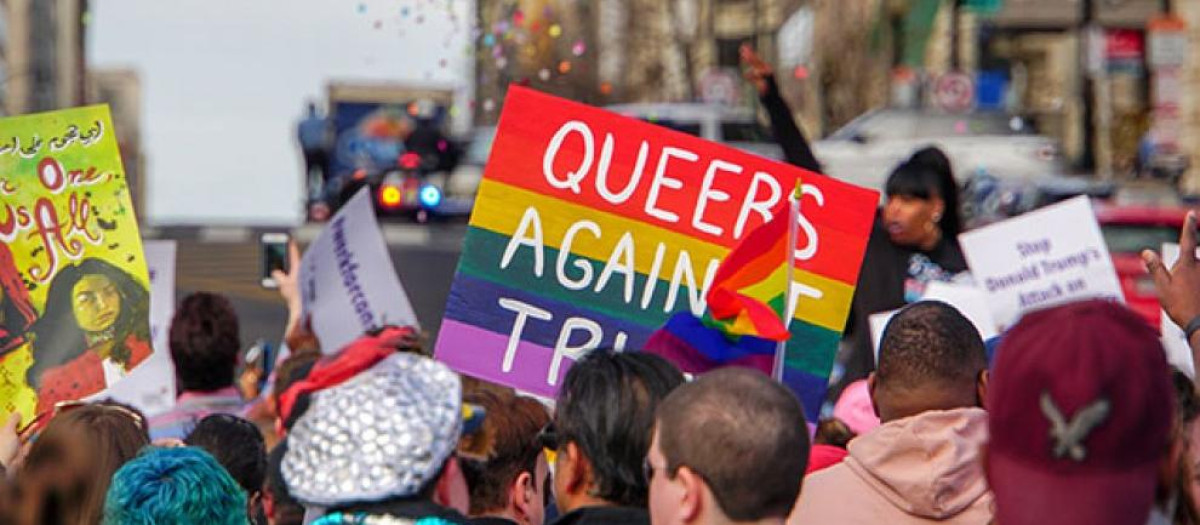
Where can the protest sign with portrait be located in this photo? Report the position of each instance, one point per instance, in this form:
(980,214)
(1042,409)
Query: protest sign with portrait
(75,303)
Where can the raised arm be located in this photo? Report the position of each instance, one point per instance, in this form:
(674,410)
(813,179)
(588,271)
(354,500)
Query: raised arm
(795,146)
(1179,287)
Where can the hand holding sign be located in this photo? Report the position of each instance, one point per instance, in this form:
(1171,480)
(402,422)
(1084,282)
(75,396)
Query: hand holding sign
(298,333)
(1178,288)
(1175,341)
(347,282)
(10,441)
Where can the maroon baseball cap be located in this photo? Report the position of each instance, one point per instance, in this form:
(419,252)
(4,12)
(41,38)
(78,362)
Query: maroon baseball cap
(1080,412)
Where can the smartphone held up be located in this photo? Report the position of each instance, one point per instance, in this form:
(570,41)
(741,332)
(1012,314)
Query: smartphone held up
(274,257)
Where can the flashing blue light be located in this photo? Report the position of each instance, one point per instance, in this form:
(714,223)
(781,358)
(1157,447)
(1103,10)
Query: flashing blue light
(430,196)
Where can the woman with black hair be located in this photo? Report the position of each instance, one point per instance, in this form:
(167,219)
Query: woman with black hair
(914,241)
(95,329)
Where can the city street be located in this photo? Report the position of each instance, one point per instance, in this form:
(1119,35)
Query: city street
(228,261)
(863,247)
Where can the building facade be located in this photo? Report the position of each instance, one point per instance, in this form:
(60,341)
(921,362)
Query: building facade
(121,89)
(43,59)
(618,51)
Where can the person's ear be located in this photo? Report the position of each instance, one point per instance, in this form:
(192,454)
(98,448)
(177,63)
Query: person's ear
(871,383)
(579,471)
(451,490)
(939,208)
(694,494)
(253,502)
(268,503)
(521,497)
(981,388)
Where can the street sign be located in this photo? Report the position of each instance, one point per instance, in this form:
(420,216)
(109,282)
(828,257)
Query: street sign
(1168,42)
(954,92)
(720,86)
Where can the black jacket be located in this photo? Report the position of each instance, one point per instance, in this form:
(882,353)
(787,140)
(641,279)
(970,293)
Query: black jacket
(892,276)
(888,270)
(605,516)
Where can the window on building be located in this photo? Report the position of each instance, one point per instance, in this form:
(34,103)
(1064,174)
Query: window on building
(728,54)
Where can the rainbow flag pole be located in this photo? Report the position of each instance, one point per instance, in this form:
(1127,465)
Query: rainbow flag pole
(793,224)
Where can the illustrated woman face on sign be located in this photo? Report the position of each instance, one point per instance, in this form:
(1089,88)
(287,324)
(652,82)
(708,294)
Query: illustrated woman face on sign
(92,306)
(96,303)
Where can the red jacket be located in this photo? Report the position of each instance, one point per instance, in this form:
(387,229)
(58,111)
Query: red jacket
(84,375)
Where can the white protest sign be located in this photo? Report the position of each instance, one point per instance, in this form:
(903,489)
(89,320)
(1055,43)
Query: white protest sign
(347,280)
(1179,352)
(1044,258)
(878,324)
(151,387)
(970,301)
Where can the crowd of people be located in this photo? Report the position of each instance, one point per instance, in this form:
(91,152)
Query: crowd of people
(1074,417)
(1078,419)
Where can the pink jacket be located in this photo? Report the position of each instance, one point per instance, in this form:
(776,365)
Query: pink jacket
(923,469)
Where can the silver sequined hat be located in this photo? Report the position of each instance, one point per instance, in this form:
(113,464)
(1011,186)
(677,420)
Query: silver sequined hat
(383,434)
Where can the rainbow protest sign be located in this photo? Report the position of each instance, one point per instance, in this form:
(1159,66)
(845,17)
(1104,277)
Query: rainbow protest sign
(591,229)
(74,305)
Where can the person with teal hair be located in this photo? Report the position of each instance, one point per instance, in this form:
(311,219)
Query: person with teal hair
(182,485)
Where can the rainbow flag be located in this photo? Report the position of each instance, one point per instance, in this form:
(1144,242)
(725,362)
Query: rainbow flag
(697,348)
(749,295)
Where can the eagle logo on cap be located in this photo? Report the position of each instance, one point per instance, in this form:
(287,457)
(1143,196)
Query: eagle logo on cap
(1068,436)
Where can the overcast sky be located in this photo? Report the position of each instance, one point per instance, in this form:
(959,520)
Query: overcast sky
(225,81)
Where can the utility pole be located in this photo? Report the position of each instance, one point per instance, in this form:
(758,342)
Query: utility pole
(1086,33)
(955,46)
(754,25)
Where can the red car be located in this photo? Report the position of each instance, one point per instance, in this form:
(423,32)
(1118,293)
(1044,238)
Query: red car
(1128,230)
